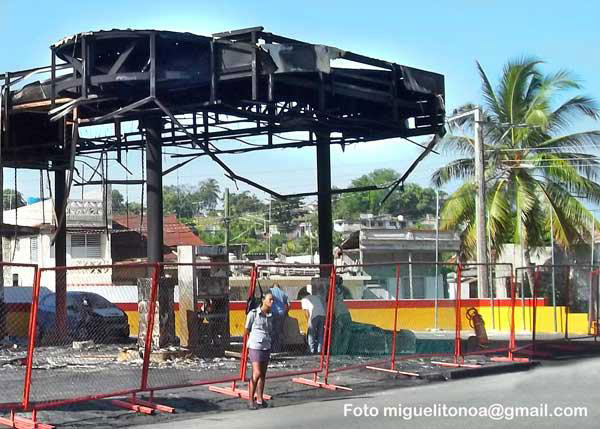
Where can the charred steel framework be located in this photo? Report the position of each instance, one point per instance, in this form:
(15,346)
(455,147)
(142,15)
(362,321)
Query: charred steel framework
(211,91)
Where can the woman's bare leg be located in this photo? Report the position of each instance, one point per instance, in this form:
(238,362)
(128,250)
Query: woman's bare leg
(254,381)
(261,381)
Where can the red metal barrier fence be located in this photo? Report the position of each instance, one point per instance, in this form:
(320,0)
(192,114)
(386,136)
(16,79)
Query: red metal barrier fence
(489,324)
(570,293)
(290,353)
(418,317)
(94,305)
(203,323)
(423,312)
(16,309)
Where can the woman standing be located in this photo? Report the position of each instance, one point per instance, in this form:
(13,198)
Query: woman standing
(259,328)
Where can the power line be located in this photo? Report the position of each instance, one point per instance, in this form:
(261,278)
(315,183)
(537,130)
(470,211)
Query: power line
(548,148)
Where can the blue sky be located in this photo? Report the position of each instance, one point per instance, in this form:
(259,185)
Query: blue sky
(442,36)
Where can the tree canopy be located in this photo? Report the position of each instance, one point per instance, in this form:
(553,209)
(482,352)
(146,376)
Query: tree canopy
(411,201)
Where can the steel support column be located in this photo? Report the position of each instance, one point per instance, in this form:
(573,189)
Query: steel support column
(60,252)
(153,126)
(324,201)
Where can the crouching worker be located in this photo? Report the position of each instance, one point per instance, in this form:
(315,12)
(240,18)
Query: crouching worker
(259,329)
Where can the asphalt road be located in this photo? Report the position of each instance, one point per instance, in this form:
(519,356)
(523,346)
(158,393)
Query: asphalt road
(565,384)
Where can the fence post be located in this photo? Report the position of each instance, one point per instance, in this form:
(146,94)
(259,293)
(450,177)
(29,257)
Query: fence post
(330,310)
(396,315)
(32,333)
(244,355)
(458,305)
(513,304)
(150,326)
(534,303)
(567,300)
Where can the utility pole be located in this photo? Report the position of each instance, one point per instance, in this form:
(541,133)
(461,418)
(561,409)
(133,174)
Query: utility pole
(482,269)
(591,312)
(269,231)
(226,222)
(437,252)
(482,259)
(553,276)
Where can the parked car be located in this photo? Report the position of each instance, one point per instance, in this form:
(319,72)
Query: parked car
(89,317)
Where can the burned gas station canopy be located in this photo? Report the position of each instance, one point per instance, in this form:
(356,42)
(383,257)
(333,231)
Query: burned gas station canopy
(232,93)
(235,84)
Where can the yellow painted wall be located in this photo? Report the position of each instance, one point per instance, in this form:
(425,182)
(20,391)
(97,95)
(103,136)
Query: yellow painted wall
(578,322)
(17,324)
(416,319)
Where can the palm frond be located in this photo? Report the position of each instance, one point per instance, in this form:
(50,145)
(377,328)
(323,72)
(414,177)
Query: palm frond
(574,141)
(459,207)
(489,95)
(552,164)
(570,216)
(499,215)
(453,144)
(515,79)
(463,168)
(564,115)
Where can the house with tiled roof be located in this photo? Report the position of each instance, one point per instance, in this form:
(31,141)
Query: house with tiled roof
(130,233)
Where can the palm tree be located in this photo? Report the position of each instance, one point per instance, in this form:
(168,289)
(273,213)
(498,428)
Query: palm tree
(208,193)
(536,172)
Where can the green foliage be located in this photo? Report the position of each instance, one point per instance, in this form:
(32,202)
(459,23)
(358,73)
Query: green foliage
(246,202)
(188,201)
(207,194)
(536,172)
(412,201)
(180,200)
(195,205)
(288,213)
(120,206)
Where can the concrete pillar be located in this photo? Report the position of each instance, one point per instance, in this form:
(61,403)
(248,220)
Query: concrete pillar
(188,327)
(164,325)
(153,126)
(324,201)
(60,249)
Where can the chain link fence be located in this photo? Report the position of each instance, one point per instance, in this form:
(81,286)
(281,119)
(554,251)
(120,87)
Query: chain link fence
(86,332)
(18,298)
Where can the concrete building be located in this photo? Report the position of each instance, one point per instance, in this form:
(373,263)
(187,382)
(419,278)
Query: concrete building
(88,239)
(368,220)
(379,251)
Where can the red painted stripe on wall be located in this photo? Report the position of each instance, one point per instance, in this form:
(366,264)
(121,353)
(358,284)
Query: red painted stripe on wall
(352,304)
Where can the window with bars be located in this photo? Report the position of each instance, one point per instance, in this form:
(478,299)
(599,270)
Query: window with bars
(33,249)
(86,246)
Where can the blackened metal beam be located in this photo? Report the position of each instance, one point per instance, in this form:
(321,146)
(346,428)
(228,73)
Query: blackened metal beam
(111,182)
(116,67)
(213,72)
(255,70)
(3,109)
(237,33)
(324,201)
(60,252)
(153,127)
(339,191)
(153,64)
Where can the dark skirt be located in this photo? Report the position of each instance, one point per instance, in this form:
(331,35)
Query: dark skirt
(259,355)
